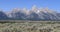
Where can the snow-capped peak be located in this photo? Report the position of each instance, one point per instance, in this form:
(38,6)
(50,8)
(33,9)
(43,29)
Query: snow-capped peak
(33,14)
(16,10)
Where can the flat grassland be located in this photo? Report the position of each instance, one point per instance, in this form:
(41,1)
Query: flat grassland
(30,26)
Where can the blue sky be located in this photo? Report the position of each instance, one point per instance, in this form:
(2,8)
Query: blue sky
(7,5)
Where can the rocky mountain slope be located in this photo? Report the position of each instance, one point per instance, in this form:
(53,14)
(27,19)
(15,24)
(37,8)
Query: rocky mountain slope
(32,14)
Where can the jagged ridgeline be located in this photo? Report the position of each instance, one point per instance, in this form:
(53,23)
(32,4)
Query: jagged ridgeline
(33,14)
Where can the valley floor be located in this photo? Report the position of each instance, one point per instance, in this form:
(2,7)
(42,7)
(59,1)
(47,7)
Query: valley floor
(30,26)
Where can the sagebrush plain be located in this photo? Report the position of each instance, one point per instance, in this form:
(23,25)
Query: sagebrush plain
(30,26)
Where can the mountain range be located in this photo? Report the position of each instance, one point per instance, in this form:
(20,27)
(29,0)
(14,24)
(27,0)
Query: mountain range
(33,14)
